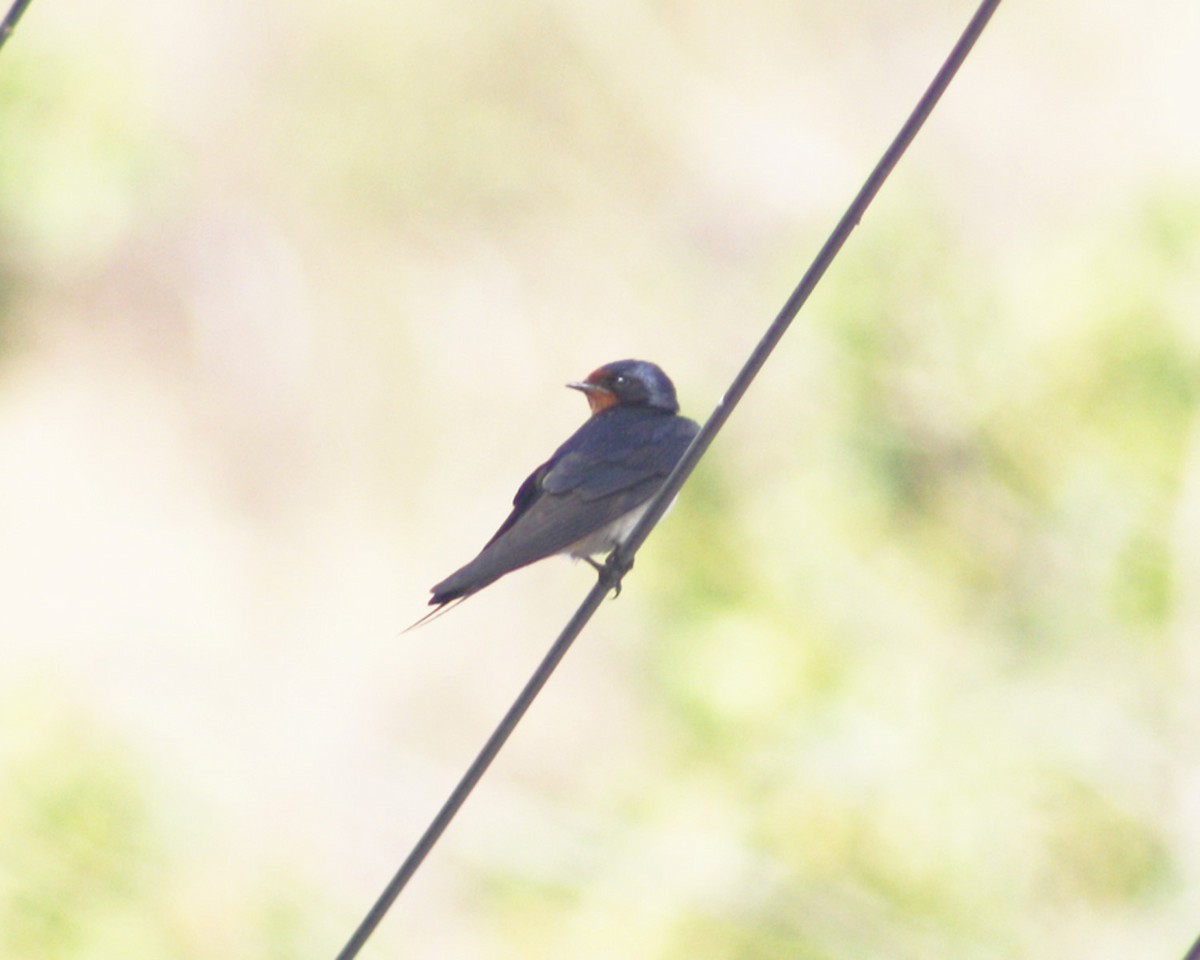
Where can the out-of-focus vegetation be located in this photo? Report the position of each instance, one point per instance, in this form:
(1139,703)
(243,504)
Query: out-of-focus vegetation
(286,294)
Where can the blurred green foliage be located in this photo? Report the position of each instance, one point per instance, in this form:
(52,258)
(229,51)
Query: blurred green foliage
(87,871)
(76,855)
(1013,495)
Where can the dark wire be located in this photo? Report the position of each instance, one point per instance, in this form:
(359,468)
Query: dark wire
(9,23)
(825,256)
(622,559)
(437,827)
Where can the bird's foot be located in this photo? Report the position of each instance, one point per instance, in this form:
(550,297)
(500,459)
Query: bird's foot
(613,570)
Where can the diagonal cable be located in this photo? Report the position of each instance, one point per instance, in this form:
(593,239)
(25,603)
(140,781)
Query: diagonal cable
(622,559)
(9,23)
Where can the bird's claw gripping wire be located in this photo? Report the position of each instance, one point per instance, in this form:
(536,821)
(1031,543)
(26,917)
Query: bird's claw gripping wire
(612,571)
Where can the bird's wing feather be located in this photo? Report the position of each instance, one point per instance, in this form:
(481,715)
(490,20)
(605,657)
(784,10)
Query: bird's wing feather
(526,494)
(620,455)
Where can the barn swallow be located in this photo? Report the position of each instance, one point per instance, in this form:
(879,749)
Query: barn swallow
(587,497)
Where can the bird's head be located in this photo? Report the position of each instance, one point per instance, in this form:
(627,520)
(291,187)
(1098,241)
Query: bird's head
(628,383)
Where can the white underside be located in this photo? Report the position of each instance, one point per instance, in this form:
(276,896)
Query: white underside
(604,539)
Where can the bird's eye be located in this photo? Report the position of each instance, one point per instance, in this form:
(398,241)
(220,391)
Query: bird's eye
(620,380)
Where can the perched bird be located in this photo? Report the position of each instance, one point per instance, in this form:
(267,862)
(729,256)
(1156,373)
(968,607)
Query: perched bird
(587,497)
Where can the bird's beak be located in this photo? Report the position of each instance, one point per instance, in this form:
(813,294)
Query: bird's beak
(599,398)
